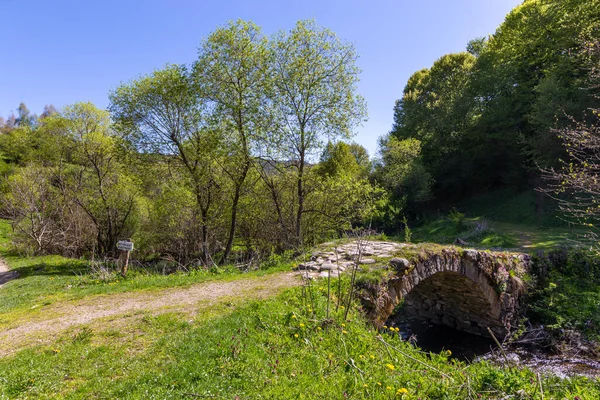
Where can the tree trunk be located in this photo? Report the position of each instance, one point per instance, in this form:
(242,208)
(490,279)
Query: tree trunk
(300,189)
(204,213)
(234,207)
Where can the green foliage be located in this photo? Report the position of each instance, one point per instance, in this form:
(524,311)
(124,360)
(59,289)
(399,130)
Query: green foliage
(341,158)
(485,117)
(48,279)
(477,232)
(407,230)
(458,218)
(528,208)
(401,172)
(239,142)
(567,294)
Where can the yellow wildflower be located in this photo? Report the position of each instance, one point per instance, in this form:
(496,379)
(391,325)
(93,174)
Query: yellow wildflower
(391,367)
(295,335)
(294,316)
(388,387)
(344,332)
(448,352)
(301,325)
(402,391)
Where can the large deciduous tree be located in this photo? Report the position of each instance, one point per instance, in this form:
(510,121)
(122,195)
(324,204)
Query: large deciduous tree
(231,77)
(162,114)
(314,97)
(98,182)
(436,109)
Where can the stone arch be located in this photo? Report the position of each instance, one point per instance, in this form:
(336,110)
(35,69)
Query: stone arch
(466,290)
(455,300)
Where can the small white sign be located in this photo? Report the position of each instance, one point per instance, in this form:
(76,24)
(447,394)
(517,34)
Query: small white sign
(125,245)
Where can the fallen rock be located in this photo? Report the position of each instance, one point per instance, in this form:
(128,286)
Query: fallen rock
(400,264)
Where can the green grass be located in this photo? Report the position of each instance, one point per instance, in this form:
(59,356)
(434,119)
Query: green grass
(527,221)
(532,238)
(275,349)
(497,235)
(278,349)
(446,231)
(44,280)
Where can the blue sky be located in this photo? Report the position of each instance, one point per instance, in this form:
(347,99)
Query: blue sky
(60,52)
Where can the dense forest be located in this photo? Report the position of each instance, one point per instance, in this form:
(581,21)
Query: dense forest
(247,150)
(488,117)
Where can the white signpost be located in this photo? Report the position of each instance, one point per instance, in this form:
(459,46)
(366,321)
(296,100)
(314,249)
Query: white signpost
(126,246)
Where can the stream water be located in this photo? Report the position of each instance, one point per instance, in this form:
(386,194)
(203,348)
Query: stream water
(468,347)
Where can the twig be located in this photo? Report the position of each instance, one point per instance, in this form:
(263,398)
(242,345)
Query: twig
(352,364)
(469,387)
(499,346)
(540,382)
(337,262)
(414,359)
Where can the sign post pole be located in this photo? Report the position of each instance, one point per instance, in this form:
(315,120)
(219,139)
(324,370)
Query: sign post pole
(126,265)
(127,247)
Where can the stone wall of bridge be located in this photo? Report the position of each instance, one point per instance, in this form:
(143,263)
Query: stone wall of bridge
(468,290)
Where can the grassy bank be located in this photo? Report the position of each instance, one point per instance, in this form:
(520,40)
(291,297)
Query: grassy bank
(279,349)
(45,280)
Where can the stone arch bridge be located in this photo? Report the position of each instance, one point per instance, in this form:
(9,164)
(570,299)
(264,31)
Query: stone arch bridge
(468,290)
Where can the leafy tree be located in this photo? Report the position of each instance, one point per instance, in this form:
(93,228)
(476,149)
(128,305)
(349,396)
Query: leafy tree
(33,206)
(476,46)
(162,114)
(436,109)
(483,116)
(98,182)
(401,172)
(314,79)
(527,77)
(49,110)
(72,193)
(230,75)
(341,158)
(24,116)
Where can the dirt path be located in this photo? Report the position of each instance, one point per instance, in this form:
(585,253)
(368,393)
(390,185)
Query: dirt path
(5,274)
(189,300)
